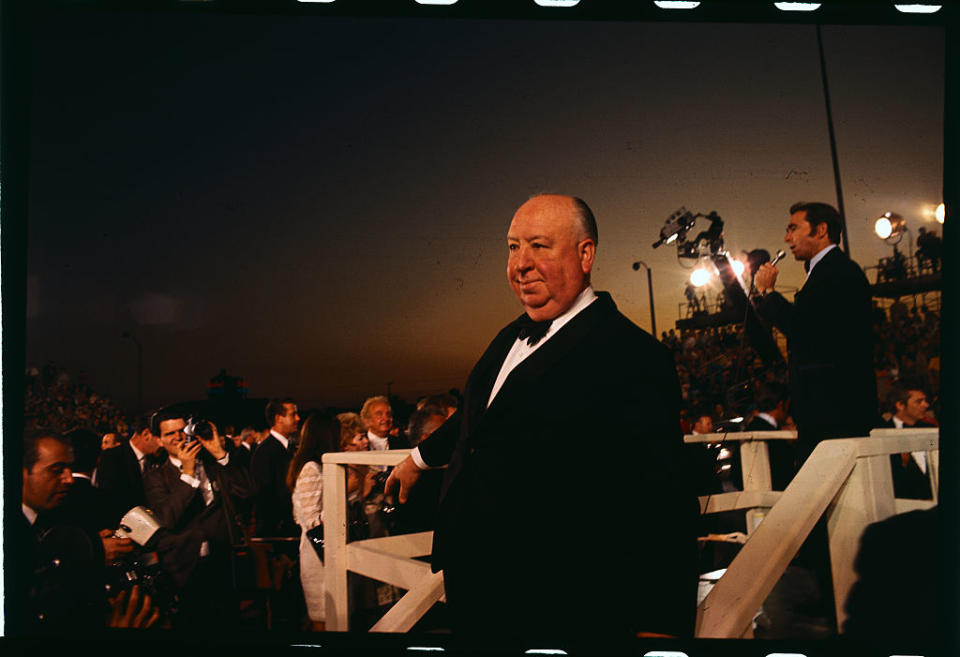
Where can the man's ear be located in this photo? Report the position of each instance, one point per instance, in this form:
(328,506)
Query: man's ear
(821,230)
(586,249)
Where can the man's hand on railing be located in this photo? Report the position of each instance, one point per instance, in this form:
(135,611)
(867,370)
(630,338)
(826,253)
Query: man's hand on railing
(405,475)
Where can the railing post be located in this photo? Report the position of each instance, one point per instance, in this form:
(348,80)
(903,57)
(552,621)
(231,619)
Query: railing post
(755,466)
(335,546)
(866,497)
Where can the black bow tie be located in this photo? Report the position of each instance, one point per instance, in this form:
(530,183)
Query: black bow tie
(532,331)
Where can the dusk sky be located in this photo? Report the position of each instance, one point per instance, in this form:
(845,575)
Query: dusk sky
(320,204)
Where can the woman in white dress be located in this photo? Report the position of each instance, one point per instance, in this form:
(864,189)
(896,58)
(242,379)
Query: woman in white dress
(319,434)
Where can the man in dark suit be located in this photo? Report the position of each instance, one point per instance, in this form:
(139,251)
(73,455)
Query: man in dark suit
(833,389)
(120,472)
(534,538)
(910,478)
(273,506)
(187,495)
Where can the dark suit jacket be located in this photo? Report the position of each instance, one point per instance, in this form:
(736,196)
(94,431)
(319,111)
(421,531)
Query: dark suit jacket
(833,388)
(85,506)
(587,429)
(909,481)
(118,474)
(273,503)
(180,508)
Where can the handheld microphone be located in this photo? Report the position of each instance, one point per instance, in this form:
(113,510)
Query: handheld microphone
(777,258)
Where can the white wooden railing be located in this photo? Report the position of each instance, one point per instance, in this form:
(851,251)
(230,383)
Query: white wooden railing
(848,479)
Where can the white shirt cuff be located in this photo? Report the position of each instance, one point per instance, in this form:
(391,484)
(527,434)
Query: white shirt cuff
(224,460)
(418,460)
(190,480)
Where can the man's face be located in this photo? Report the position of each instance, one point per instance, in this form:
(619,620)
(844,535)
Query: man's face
(149,443)
(704,424)
(109,441)
(287,423)
(46,484)
(172,435)
(379,419)
(549,259)
(803,244)
(915,409)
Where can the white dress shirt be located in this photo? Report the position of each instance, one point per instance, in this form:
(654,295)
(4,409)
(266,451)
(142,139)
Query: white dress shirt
(817,258)
(919,457)
(283,439)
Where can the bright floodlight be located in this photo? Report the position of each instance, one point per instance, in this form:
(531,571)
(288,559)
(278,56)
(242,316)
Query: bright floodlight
(940,212)
(883,228)
(738,267)
(700,277)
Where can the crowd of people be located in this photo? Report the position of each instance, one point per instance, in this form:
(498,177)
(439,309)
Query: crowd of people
(235,515)
(234,533)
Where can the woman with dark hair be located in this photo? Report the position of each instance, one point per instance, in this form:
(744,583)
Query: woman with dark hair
(319,434)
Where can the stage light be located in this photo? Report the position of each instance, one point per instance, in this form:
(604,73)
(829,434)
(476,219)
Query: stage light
(889,225)
(700,277)
(940,212)
(738,267)
(883,228)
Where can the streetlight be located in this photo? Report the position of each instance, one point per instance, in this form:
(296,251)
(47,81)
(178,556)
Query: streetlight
(127,334)
(653,316)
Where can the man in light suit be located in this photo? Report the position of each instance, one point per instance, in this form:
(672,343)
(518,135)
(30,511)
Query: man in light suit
(543,529)
(833,388)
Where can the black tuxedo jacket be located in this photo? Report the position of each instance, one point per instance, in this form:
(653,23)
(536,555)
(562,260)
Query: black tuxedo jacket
(273,503)
(180,508)
(909,481)
(85,506)
(118,474)
(564,507)
(829,329)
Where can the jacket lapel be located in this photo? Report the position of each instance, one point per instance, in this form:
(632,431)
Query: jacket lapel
(537,364)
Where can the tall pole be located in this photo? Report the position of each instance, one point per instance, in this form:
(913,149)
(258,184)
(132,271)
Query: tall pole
(653,315)
(833,143)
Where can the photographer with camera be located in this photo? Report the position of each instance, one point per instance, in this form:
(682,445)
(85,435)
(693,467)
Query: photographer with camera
(186,494)
(58,582)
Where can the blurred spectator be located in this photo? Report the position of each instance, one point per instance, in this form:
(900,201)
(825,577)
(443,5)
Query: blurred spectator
(910,477)
(109,441)
(120,472)
(320,434)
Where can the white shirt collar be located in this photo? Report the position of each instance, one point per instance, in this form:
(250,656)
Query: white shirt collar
(376,442)
(137,452)
(897,422)
(283,439)
(520,349)
(30,514)
(175,462)
(584,299)
(817,258)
